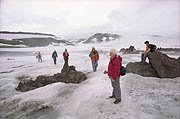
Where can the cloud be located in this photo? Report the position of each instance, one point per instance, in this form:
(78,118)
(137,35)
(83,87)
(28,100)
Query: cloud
(82,18)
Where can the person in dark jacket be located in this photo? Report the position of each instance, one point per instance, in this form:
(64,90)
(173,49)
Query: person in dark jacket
(149,48)
(39,56)
(114,74)
(54,56)
(66,57)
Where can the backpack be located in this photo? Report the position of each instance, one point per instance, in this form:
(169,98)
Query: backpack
(122,69)
(54,54)
(152,47)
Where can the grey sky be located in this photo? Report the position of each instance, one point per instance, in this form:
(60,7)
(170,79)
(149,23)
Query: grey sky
(71,19)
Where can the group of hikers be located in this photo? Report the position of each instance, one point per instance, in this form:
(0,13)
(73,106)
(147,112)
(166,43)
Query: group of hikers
(114,67)
(54,56)
(65,56)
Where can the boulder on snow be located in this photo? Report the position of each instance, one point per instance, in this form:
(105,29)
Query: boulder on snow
(141,68)
(68,75)
(160,65)
(165,66)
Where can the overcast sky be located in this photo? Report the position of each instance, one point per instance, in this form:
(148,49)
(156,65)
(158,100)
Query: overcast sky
(70,19)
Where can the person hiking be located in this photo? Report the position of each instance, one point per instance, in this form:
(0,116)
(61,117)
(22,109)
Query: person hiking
(54,56)
(94,58)
(36,54)
(149,48)
(66,57)
(39,56)
(114,74)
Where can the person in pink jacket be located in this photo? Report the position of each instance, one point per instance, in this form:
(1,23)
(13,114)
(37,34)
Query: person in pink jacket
(114,74)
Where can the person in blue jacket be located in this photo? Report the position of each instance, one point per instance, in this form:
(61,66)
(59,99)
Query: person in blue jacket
(54,56)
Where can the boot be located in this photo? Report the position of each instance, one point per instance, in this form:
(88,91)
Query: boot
(117,101)
(112,96)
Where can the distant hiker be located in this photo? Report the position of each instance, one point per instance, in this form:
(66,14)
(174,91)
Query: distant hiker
(66,57)
(39,56)
(114,74)
(94,58)
(149,48)
(36,53)
(54,56)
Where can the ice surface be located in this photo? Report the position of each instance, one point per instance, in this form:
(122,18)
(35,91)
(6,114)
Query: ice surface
(142,98)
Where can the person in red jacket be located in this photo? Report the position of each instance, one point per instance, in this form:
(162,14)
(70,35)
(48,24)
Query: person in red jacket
(114,74)
(66,57)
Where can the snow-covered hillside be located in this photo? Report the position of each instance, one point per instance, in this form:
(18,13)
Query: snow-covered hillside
(101,37)
(11,36)
(142,97)
(23,39)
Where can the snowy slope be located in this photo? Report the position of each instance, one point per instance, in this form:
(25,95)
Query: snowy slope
(20,36)
(102,37)
(142,98)
(31,40)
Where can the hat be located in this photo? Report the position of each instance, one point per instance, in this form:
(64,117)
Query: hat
(146,42)
(113,51)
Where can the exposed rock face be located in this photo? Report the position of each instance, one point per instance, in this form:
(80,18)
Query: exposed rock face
(165,66)
(141,68)
(169,49)
(100,37)
(34,42)
(130,50)
(179,58)
(160,66)
(68,75)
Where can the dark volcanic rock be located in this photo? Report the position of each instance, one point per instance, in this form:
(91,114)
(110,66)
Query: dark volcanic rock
(160,66)
(169,49)
(130,50)
(179,58)
(165,66)
(68,75)
(140,68)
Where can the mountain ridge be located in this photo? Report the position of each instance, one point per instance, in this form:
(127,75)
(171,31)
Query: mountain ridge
(32,33)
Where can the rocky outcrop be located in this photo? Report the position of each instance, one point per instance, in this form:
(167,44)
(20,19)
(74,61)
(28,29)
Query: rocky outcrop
(68,75)
(160,66)
(100,37)
(141,68)
(130,50)
(165,66)
(169,49)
